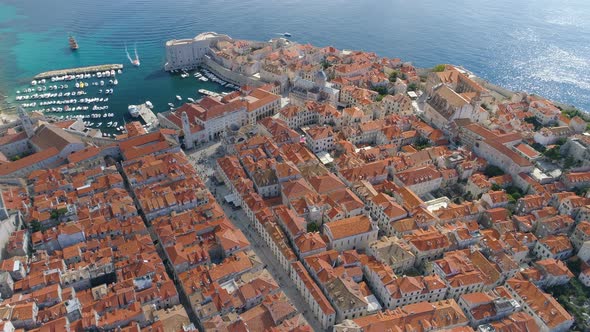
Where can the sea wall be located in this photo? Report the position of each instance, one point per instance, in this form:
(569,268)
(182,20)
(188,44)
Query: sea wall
(228,75)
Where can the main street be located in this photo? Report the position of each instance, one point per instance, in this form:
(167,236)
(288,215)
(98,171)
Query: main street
(204,160)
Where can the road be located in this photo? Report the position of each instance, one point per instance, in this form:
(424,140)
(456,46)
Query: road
(204,161)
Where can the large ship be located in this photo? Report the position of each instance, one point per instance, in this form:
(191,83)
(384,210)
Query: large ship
(73,43)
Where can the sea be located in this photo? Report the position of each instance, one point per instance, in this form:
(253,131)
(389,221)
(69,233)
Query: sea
(538,46)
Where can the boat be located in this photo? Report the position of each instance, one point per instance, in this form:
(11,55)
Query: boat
(191,100)
(135,62)
(133,111)
(149,104)
(115,82)
(178,97)
(286,34)
(73,43)
(101,83)
(170,104)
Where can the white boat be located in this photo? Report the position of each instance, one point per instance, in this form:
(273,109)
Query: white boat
(133,111)
(77,85)
(178,97)
(115,82)
(101,83)
(119,71)
(33,82)
(170,104)
(149,104)
(191,100)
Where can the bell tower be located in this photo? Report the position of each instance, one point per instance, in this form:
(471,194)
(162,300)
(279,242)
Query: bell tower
(186,128)
(26,122)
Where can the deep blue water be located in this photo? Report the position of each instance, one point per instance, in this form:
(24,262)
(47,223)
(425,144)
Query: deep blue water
(538,46)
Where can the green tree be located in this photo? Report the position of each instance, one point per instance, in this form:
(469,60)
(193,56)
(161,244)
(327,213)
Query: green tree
(312,227)
(412,87)
(421,143)
(552,153)
(393,76)
(533,120)
(35,226)
(439,68)
(381,90)
(539,147)
(492,170)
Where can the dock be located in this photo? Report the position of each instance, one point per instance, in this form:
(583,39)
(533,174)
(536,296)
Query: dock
(146,114)
(78,70)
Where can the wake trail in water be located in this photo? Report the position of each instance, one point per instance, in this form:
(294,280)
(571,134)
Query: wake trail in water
(136,56)
(129,55)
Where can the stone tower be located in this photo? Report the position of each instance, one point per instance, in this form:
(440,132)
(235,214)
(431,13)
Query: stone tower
(320,79)
(186,129)
(476,102)
(26,122)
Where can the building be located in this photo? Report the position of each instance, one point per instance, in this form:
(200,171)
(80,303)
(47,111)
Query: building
(317,302)
(394,252)
(553,246)
(319,138)
(189,53)
(445,105)
(547,312)
(351,233)
(441,315)
(420,180)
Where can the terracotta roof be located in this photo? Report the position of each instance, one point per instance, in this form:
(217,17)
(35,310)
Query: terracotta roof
(349,227)
(11,167)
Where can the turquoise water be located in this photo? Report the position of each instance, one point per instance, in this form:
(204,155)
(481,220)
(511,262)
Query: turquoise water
(534,45)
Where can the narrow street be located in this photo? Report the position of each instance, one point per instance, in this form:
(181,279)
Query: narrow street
(204,160)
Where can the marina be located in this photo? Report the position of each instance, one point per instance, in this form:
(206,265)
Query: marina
(78,70)
(85,93)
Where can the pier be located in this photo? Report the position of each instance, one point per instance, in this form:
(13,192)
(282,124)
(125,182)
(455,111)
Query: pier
(146,114)
(79,70)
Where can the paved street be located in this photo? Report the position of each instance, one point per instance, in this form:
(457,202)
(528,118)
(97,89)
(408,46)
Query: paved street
(204,161)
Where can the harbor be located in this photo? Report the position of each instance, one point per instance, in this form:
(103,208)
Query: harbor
(78,70)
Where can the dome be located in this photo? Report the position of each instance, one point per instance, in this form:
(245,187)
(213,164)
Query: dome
(320,78)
